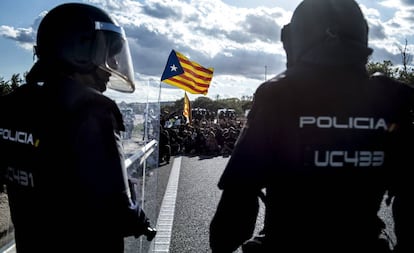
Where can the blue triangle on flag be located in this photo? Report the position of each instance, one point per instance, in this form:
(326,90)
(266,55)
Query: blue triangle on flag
(173,67)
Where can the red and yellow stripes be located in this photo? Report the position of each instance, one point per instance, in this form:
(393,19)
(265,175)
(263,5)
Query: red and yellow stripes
(187,108)
(195,79)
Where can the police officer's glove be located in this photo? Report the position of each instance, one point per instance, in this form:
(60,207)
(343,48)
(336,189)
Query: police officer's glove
(145,227)
(150,233)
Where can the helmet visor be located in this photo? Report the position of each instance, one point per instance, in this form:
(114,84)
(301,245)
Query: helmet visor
(113,56)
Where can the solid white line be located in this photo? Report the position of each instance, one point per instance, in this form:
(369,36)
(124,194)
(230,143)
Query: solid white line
(161,242)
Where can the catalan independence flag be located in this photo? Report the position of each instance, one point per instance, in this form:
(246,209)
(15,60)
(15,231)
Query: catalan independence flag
(187,108)
(186,74)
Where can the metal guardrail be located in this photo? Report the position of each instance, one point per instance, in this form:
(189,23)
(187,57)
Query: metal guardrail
(140,156)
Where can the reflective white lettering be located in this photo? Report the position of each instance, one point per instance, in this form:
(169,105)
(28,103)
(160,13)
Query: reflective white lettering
(20,177)
(340,158)
(365,158)
(351,159)
(306,120)
(351,122)
(362,123)
(381,124)
(318,162)
(324,122)
(332,156)
(341,124)
(17,136)
(378,158)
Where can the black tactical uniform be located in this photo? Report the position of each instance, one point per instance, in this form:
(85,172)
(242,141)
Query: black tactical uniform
(61,149)
(322,139)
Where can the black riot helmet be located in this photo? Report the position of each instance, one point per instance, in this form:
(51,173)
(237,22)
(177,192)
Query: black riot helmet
(76,37)
(326,32)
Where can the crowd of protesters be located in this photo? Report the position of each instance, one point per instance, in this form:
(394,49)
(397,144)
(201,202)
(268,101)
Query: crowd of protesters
(208,134)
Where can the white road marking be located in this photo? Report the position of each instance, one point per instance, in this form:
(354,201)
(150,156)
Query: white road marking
(161,242)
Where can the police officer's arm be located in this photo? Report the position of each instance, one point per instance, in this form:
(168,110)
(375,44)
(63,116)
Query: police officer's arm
(402,187)
(100,164)
(241,182)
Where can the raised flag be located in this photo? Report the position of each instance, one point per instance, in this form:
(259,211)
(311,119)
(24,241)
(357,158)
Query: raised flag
(187,108)
(187,75)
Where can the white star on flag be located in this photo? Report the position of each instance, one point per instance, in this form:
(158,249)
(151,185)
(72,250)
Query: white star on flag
(173,67)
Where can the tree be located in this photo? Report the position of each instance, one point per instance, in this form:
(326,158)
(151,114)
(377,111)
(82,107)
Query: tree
(204,102)
(16,81)
(5,87)
(406,74)
(10,85)
(385,67)
(406,57)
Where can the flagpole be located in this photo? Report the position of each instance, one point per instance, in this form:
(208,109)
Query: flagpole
(146,139)
(159,94)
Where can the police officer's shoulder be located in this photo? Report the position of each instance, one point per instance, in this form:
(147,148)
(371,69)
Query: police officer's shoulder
(392,86)
(95,99)
(97,102)
(382,78)
(272,84)
(25,91)
(379,76)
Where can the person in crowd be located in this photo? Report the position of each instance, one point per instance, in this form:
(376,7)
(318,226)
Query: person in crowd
(164,145)
(321,142)
(60,139)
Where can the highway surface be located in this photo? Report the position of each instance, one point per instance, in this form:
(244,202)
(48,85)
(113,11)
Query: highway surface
(197,196)
(195,201)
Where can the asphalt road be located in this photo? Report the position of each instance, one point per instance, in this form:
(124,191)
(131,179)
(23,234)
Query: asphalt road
(196,200)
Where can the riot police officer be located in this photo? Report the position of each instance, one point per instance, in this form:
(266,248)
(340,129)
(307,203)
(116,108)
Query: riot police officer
(60,139)
(321,140)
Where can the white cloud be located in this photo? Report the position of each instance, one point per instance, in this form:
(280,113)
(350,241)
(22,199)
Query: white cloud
(390,26)
(237,42)
(24,36)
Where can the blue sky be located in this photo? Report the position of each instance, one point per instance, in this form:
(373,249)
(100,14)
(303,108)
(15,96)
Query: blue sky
(238,38)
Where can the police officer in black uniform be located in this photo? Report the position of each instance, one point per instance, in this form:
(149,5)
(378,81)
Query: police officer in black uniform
(321,139)
(60,139)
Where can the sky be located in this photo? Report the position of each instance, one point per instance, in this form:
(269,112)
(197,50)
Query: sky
(240,39)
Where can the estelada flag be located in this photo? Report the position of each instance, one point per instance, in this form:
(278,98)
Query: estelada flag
(187,75)
(187,108)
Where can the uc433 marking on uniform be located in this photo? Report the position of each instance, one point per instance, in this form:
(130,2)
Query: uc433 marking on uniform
(339,158)
(342,158)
